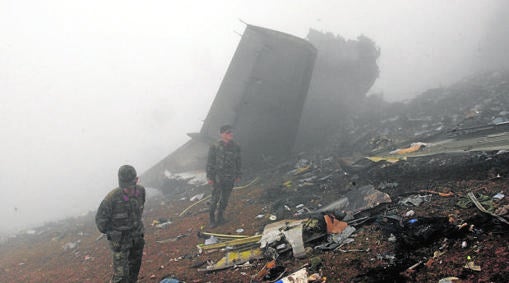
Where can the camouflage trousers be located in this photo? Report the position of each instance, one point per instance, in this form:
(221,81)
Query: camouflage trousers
(127,255)
(220,195)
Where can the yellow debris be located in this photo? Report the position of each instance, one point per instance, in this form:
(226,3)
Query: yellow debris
(413,148)
(385,158)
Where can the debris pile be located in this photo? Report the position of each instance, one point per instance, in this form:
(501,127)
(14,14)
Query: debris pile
(425,216)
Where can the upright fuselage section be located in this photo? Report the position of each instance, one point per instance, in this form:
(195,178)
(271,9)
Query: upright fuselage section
(263,93)
(262,96)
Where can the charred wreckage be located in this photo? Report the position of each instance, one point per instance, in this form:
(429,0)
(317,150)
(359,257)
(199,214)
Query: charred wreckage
(283,95)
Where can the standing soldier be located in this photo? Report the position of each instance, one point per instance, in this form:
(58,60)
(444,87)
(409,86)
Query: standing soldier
(223,170)
(119,217)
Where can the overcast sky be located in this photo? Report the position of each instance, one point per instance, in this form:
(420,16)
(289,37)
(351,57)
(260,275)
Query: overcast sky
(86,86)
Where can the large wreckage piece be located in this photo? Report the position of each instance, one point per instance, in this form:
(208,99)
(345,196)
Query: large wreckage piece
(482,138)
(262,96)
(344,71)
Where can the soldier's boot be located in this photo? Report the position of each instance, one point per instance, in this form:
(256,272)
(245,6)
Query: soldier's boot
(220,217)
(212,220)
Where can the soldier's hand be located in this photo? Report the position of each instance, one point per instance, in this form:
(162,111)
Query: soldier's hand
(115,245)
(210,182)
(237,180)
(114,236)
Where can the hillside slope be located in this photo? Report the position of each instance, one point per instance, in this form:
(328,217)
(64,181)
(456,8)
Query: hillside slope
(444,232)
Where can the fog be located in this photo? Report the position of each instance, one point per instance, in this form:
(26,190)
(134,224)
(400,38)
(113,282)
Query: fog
(86,86)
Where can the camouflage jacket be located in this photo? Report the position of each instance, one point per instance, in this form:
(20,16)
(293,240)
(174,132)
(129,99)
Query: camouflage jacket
(121,212)
(223,161)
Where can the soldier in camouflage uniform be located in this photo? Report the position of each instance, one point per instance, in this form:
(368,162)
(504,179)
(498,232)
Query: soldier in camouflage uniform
(119,217)
(223,170)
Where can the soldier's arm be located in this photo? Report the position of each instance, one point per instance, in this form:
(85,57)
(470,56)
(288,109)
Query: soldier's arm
(238,164)
(103,216)
(143,194)
(211,163)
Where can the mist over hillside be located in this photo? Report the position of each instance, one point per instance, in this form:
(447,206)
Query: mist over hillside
(83,92)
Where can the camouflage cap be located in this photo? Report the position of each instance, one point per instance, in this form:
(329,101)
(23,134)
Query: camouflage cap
(126,174)
(225,128)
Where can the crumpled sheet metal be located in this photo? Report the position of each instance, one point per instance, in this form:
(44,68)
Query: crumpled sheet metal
(231,243)
(273,232)
(415,200)
(335,240)
(341,237)
(233,258)
(358,200)
(294,237)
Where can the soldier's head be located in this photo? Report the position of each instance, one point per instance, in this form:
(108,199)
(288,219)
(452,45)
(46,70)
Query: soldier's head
(226,133)
(127,176)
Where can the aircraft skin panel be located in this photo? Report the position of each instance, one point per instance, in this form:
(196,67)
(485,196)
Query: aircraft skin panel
(263,92)
(262,96)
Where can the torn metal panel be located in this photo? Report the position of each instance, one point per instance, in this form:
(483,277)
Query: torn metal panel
(415,200)
(262,95)
(294,237)
(263,92)
(335,240)
(231,243)
(235,258)
(220,236)
(273,232)
(484,138)
(341,237)
(190,156)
